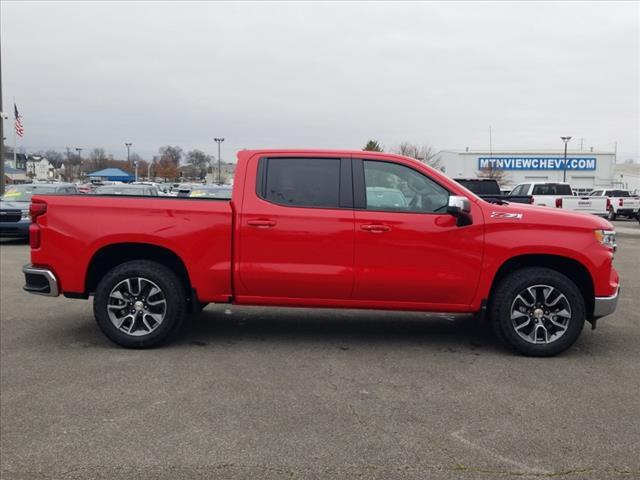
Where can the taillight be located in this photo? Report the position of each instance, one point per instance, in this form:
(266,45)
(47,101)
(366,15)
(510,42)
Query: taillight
(619,202)
(530,199)
(37,208)
(608,203)
(34,235)
(558,203)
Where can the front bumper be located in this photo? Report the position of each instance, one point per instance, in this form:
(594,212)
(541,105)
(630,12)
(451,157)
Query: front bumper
(40,281)
(15,229)
(604,306)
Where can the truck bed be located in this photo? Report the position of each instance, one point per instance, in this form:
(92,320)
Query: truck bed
(78,227)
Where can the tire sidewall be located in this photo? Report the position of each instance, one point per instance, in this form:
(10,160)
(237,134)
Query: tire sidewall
(165,279)
(519,281)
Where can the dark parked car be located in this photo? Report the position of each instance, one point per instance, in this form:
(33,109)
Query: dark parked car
(137,190)
(489,190)
(14,205)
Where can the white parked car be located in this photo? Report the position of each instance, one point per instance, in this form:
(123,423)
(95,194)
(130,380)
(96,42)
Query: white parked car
(560,195)
(621,203)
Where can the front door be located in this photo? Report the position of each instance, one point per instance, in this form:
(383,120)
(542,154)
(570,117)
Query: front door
(407,249)
(296,230)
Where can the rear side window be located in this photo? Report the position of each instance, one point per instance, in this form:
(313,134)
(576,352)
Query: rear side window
(617,193)
(302,182)
(552,189)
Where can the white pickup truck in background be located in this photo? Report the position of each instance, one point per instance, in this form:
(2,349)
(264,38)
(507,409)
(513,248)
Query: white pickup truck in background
(621,203)
(560,195)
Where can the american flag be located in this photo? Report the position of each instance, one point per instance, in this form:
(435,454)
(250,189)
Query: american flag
(18,122)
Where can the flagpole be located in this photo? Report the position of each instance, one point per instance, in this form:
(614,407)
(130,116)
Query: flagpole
(15,163)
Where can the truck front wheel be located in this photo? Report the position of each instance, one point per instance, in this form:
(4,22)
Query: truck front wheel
(139,304)
(537,311)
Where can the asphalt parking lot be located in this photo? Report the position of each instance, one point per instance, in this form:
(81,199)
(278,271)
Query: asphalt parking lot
(284,393)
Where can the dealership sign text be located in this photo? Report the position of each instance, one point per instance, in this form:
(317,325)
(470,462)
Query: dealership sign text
(536,163)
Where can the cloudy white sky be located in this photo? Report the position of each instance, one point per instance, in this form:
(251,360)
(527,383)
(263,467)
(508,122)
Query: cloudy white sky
(322,74)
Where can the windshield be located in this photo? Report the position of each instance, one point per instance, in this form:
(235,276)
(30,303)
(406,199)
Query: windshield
(211,192)
(552,189)
(112,190)
(24,193)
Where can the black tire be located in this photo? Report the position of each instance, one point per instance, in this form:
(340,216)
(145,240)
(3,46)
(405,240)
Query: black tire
(612,214)
(171,289)
(504,297)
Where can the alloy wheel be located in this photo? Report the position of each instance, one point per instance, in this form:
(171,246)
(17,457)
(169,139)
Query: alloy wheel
(137,306)
(540,314)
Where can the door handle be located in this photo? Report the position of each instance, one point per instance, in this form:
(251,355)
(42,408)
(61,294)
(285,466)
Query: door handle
(261,223)
(375,228)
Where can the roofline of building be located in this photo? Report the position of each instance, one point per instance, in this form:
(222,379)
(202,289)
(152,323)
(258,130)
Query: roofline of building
(524,152)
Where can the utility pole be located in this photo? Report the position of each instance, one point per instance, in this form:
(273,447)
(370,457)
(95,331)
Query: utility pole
(565,140)
(219,141)
(2,117)
(79,150)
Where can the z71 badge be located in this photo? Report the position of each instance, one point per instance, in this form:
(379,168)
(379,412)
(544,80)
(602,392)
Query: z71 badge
(517,216)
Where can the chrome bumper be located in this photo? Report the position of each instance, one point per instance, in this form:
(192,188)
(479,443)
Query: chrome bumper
(40,281)
(605,305)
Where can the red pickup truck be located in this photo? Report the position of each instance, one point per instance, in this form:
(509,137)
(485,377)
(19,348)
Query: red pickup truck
(346,229)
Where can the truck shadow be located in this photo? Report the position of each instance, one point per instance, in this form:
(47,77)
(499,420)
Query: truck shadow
(218,325)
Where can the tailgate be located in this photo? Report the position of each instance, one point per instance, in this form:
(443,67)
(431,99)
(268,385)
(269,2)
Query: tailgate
(595,205)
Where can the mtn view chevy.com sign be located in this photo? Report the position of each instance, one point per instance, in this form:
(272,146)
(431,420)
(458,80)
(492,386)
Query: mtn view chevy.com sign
(536,163)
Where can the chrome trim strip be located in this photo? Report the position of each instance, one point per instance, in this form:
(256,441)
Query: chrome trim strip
(48,275)
(604,306)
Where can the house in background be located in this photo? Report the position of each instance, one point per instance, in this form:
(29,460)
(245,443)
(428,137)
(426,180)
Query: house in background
(13,175)
(20,161)
(39,168)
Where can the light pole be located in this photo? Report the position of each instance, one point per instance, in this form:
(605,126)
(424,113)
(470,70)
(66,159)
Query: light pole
(128,145)
(79,150)
(564,173)
(219,141)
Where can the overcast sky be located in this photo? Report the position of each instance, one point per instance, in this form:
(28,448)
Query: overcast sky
(329,75)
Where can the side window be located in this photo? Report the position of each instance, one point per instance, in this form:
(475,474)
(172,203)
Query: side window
(517,190)
(303,182)
(393,187)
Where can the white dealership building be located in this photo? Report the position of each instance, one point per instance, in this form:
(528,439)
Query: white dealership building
(585,170)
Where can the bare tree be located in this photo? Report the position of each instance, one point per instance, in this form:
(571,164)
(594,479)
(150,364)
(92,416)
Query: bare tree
(171,154)
(423,153)
(493,173)
(200,162)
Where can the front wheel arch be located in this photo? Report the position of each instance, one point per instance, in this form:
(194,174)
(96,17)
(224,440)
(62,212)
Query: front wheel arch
(569,267)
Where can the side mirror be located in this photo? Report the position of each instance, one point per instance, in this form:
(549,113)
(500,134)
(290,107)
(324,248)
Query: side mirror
(460,207)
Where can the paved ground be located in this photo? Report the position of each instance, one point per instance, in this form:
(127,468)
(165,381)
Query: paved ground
(254,393)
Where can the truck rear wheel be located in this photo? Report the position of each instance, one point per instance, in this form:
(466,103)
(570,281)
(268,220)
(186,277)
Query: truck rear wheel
(537,311)
(139,304)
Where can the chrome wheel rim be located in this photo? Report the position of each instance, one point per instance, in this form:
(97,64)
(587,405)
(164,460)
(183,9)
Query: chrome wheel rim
(137,306)
(540,314)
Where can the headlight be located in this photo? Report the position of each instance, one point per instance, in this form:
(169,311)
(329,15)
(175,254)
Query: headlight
(25,215)
(607,238)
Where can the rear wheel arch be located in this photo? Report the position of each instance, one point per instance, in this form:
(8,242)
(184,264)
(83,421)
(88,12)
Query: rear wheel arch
(110,256)
(569,267)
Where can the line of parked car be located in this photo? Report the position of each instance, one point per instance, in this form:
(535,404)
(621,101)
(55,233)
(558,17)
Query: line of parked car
(14,204)
(610,203)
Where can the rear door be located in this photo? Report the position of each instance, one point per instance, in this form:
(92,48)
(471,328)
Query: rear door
(296,230)
(408,251)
